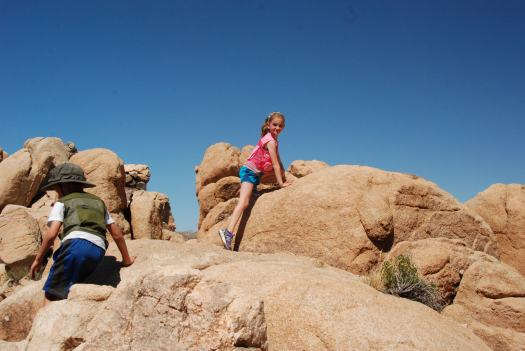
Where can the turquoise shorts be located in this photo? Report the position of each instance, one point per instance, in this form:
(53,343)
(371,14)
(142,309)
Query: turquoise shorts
(247,175)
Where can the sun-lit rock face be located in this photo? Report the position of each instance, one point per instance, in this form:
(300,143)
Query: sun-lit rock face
(502,206)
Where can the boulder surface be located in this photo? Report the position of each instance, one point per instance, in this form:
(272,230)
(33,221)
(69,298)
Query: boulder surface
(502,206)
(195,296)
(347,215)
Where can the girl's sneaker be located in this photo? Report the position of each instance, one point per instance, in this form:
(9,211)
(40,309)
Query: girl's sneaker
(226,238)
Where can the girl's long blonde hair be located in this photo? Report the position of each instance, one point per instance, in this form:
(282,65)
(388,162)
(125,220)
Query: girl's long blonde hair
(272,115)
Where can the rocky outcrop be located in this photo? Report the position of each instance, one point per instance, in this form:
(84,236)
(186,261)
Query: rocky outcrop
(105,169)
(214,193)
(491,302)
(220,160)
(151,215)
(193,296)
(301,168)
(347,215)
(20,239)
(222,180)
(441,261)
(502,206)
(22,173)
(137,176)
(485,294)
(18,311)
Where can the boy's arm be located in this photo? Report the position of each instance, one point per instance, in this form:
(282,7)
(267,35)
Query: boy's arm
(276,162)
(47,240)
(118,237)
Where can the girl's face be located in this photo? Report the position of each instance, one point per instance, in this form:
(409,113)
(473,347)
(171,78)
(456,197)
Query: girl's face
(276,126)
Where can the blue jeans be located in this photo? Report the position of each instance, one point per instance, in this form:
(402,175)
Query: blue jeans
(73,262)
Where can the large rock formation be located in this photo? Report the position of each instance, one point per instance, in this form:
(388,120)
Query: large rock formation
(347,215)
(22,173)
(20,239)
(491,302)
(214,193)
(502,206)
(487,295)
(151,215)
(220,160)
(18,311)
(301,168)
(194,297)
(105,169)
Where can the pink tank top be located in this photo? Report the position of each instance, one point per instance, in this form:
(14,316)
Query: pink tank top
(259,160)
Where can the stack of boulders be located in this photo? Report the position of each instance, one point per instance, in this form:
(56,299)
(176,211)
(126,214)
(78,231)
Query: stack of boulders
(218,185)
(354,217)
(195,296)
(298,282)
(137,178)
(24,209)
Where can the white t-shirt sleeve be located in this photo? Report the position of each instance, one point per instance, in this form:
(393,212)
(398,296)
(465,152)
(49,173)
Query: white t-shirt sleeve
(57,213)
(108,219)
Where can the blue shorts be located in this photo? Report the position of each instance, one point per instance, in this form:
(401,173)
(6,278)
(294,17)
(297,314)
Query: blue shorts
(247,175)
(73,262)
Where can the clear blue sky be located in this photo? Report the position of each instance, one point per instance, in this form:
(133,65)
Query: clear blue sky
(433,88)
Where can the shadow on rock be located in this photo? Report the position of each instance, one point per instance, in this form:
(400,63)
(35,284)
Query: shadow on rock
(244,219)
(107,273)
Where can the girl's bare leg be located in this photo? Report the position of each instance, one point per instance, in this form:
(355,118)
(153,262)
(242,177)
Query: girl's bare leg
(244,200)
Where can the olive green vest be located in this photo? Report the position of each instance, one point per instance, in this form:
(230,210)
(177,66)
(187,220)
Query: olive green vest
(85,212)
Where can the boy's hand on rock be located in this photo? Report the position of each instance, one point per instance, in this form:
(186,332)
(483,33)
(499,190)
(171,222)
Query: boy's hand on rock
(35,267)
(129,262)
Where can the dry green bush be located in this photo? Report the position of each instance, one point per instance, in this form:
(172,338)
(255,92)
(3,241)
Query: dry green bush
(400,277)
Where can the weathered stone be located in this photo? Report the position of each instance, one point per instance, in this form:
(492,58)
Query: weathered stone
(323,216)
(71,148)
(502,206)
(193,297)
(105,169)
(246,151)
(491,301)
(300,168)
(41,208)
(214,193)
(20,239)
(217,216)
(441,261)
(122,223)
(137,172)
(22,173)
(220,160)
(150,214)
(18,310)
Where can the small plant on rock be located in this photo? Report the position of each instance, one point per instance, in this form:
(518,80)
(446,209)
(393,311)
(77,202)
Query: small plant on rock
(400,277)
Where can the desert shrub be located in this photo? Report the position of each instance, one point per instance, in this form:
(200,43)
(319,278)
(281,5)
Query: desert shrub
(400,277)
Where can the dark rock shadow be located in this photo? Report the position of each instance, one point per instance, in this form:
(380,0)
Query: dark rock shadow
(242,224)
(384,245)
(107,272)
(246,215)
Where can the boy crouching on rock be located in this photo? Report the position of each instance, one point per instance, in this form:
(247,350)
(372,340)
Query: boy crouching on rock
(85,219)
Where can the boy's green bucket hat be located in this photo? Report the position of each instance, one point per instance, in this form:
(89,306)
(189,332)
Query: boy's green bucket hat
(66,173)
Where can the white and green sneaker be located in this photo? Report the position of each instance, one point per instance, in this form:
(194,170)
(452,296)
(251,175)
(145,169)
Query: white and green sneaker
(226,238)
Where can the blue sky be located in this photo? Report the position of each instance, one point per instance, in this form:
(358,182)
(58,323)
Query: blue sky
(433,88)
